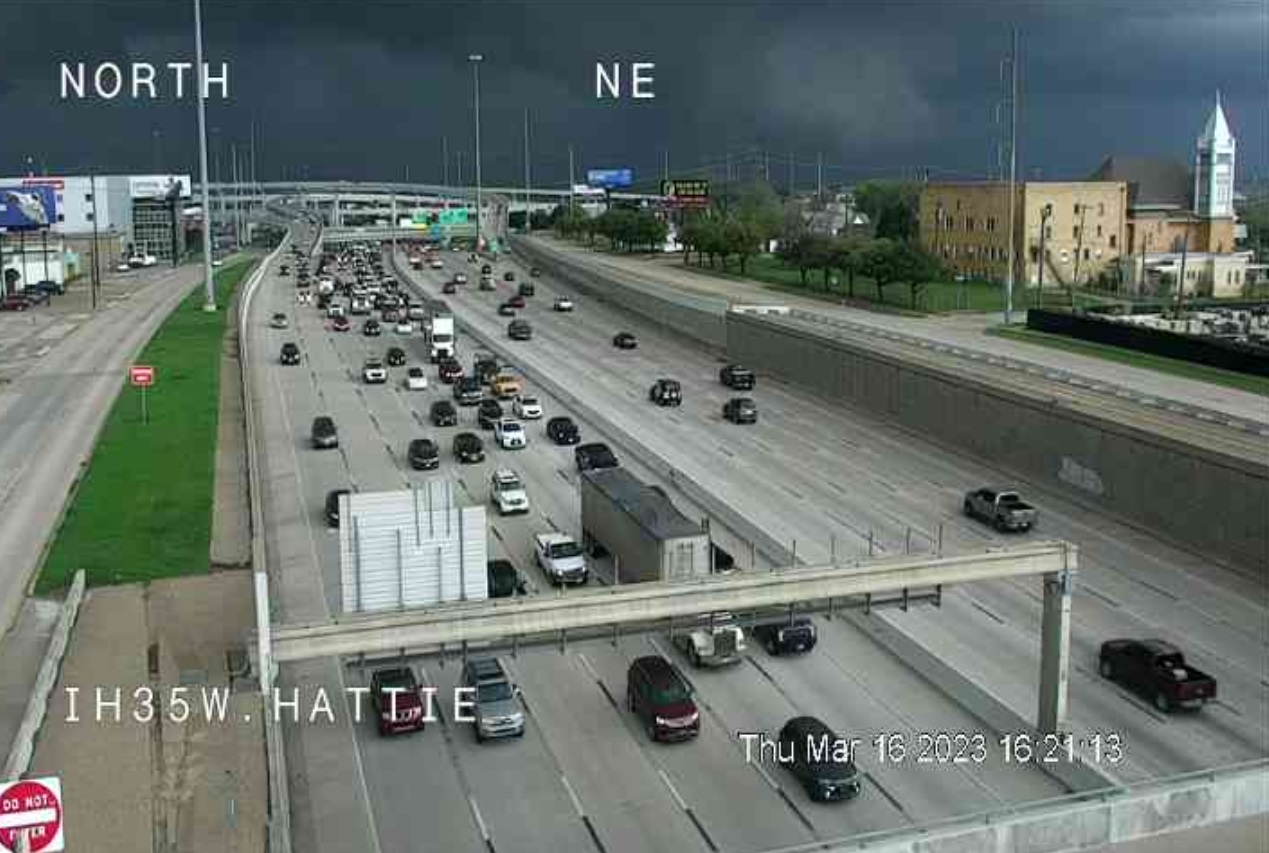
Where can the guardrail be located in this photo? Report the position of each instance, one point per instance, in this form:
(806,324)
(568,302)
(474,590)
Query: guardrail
(279,792)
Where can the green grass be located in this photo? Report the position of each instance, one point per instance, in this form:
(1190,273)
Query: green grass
(1171,366)
(143,509)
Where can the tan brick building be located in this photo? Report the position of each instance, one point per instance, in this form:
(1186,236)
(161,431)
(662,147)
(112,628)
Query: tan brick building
(1133,221)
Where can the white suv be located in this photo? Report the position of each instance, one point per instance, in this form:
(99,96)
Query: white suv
(374,373)
(509,434)
(506,491)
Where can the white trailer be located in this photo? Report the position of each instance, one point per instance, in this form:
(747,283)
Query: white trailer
(647,536)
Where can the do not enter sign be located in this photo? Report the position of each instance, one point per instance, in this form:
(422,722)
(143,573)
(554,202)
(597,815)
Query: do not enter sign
(141,374)
(33,806)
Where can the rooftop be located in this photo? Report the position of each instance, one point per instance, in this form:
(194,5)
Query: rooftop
(649,508)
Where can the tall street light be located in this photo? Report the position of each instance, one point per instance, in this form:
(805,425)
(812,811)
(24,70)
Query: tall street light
(209,283)
(1045,213)
(475,59)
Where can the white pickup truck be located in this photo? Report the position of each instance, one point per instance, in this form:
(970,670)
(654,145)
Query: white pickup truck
(718,643)
(506,491)
(561,558)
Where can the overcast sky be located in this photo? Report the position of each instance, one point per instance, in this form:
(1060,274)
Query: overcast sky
(367,89)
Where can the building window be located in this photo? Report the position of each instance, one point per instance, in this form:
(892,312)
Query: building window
(88,198)
(1086,254)
(1075,232)
(1099,230)
(1077,208)
(1112,241)
(958,204)
(89,216)
(1101,209)
(1048,232)
(61,217)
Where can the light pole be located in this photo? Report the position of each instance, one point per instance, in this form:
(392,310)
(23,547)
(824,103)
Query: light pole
(209,298)
(1045,213)
(475,59)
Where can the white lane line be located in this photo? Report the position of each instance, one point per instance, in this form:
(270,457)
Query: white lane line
(581,656)
(480,821)
(572,795)
(674,792)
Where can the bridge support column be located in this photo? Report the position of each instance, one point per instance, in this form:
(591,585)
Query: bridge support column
(1055,649)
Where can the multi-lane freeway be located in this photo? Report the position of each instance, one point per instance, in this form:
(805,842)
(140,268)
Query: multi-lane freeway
(584,777)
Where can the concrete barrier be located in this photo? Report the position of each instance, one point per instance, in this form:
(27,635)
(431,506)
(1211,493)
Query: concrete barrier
(1202,500)
(37,705)
(279,791)
(961,688)
(700,319)
(1082,821)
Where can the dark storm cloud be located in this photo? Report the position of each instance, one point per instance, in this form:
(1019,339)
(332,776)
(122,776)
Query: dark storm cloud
(367,89)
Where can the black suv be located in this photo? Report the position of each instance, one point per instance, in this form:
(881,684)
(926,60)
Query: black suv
(740,410)
(666,392)
(489,413)
(735,376)
(486,270)
(395,357)
(467,391)
(562,430)
(659,696)
(371,329)
(526,288)
(824,779)
(332,506)
(469,448)
(624,340)
(290,353)
(519,330)
(324,433)
(786,636)
(423,454)
(504,579)
(484,367)
(444,414)
(592,456)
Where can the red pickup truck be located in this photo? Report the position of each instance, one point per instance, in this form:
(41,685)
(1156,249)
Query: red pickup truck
(1158,671)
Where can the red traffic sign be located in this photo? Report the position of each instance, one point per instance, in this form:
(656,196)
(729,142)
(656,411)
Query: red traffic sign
(33,806)
(141,375)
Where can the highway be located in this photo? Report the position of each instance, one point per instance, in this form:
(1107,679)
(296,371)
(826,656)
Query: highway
(954,334)
(583,770)
(634,795)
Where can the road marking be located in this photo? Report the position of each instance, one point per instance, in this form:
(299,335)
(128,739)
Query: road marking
(1107,599)
(572,795)
(673,791)
(1157,589)
(984,610)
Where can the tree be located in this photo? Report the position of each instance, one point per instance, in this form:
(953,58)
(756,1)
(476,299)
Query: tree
(846,253)
(892,205)
(916,266)
(878,261)
(794,252)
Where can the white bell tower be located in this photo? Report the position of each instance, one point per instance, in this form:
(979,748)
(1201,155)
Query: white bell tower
(1214,167)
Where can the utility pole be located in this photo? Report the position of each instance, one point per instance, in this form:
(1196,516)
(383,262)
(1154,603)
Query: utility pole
(819,176)
(571,203)
(233,182)
(95,280)
(1013,176)
(445,170)
(1079,246)
(475,59)
(200,78)
(255,188)
(790,190)
(665,164)
(528,225)
(1045,213)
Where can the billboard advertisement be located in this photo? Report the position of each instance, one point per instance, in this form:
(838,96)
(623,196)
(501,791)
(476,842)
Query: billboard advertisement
(693,192)
(158,186)
(27,208)
(610,179)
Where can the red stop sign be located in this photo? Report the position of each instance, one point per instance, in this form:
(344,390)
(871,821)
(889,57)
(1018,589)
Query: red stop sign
(33,806)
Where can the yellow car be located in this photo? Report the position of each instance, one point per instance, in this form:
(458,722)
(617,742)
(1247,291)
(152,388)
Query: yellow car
(505,386)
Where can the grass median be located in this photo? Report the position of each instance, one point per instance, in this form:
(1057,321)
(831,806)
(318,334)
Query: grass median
(143,509)
(1172,366)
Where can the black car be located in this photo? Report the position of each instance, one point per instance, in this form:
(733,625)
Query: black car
(526,288)
(741,410)
(444,414)
(468,448)
(395,357)
(506,309)
(519,330)
(535,272)
(735,376)
(624,340)
(508,276)
(371,329)
(660,697)
(484,368)
(666,392)
(504,580)
(467,391)
(449,287)
(592,456)
(486,270)
(332,506)
(449,370)
(290,353)
(46,286)
(423,454)
(490,413)
(786,636)
(562,430)
(823,776)
(324,433)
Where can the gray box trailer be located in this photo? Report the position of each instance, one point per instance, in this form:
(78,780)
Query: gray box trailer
(647,536)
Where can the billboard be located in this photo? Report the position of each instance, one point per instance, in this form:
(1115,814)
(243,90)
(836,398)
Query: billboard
(610,178)
(158,186)
(27,207)
(693,192)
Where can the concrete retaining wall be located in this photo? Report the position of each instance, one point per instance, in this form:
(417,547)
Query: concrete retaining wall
(701,322)
(1126,814)
(1202,500)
